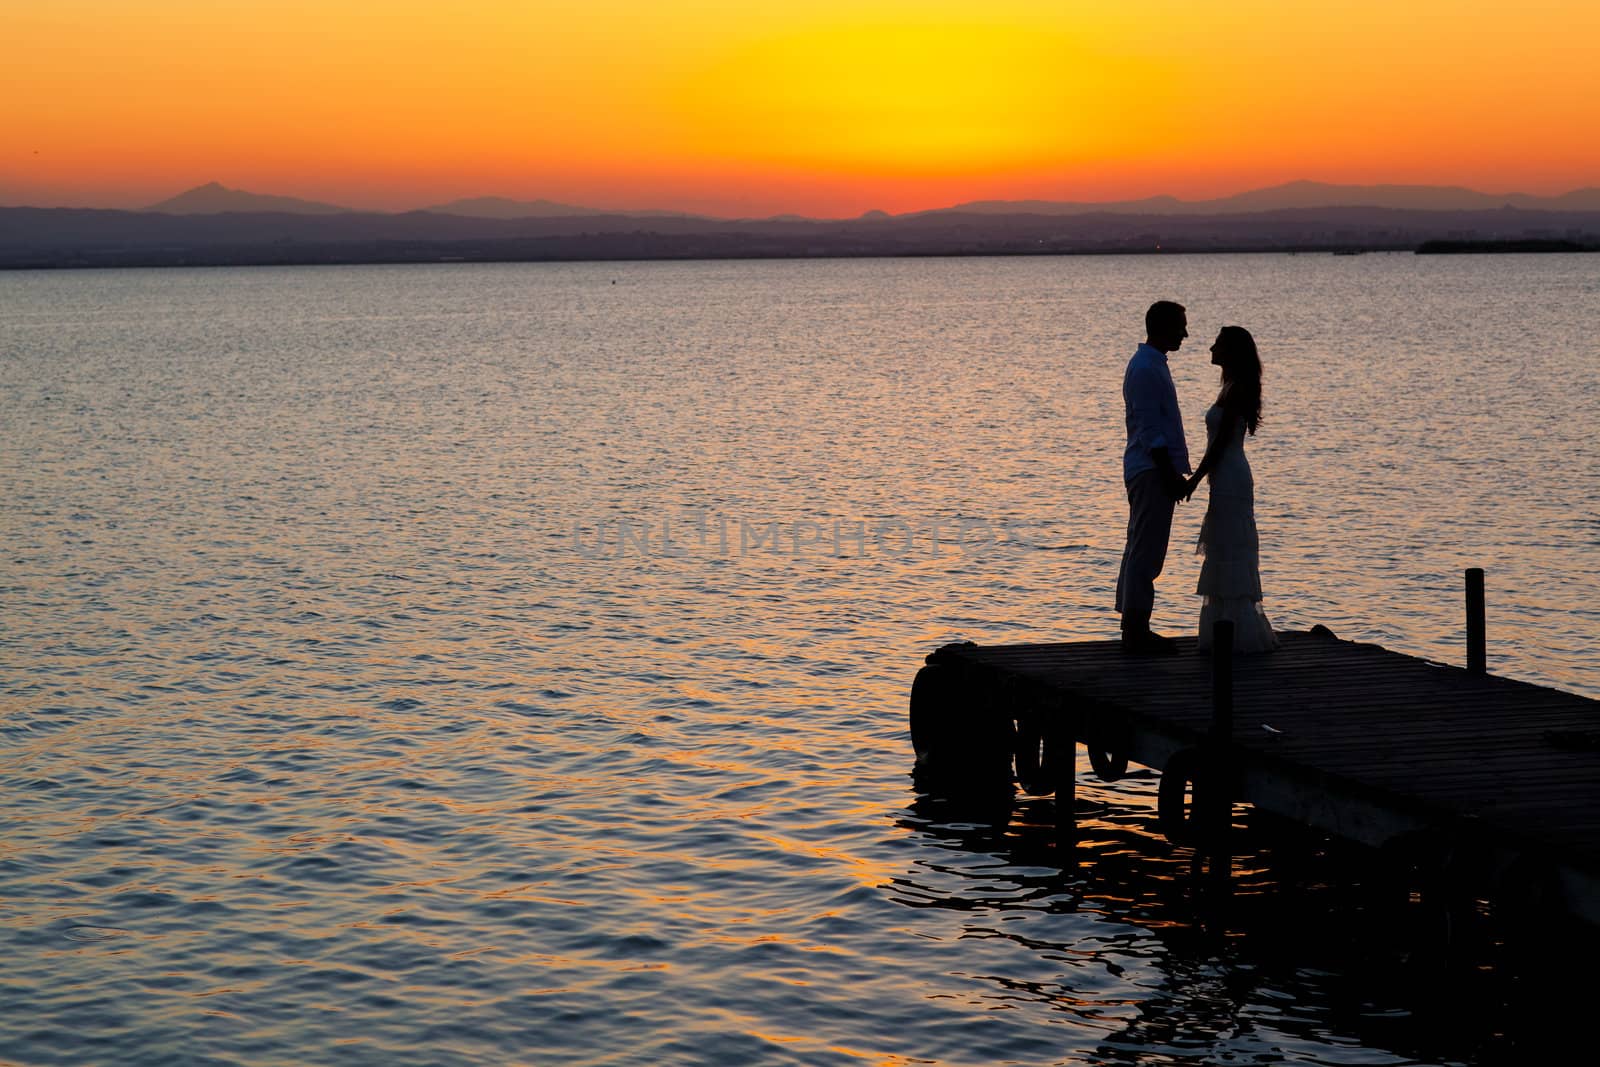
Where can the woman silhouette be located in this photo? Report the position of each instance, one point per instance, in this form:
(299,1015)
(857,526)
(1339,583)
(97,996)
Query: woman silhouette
(1230,576)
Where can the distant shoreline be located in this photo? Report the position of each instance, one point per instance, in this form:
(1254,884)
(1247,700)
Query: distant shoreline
(1445,248)
(156,262)
(417,257)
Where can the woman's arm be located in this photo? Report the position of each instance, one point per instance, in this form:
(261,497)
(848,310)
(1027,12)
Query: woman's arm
(1216,444)
(1213,452)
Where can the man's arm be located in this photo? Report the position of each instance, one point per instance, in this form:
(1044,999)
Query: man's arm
(1142,392)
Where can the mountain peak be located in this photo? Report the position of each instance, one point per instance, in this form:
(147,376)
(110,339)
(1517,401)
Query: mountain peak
(214,198)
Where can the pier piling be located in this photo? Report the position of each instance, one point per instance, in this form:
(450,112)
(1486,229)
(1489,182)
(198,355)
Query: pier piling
(1477,655)
(1215,790)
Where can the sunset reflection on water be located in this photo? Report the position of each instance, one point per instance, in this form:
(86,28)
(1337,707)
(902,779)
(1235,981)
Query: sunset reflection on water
(317,704)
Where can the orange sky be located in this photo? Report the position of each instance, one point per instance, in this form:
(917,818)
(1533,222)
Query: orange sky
(824,107)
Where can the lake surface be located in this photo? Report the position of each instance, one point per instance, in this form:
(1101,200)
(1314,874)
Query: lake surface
(508,664)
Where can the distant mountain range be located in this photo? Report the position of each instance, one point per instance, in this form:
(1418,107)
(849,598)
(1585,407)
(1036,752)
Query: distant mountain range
(1302,194)
(214,198)
(214,225)
(498,207)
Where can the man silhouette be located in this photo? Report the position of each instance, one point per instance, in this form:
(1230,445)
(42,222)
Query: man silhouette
(1153,466)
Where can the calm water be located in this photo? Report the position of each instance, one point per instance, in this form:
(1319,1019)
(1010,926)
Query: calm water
(508,664)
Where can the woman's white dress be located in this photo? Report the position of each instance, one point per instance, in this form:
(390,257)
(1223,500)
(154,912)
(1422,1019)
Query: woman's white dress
(1230,574)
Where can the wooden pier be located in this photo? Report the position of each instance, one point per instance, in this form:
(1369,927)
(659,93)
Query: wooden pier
(1484,783)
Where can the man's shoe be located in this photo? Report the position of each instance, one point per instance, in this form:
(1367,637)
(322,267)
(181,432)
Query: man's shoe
(1149,644)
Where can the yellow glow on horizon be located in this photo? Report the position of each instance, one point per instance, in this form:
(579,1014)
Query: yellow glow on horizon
(912,99)
(830,105)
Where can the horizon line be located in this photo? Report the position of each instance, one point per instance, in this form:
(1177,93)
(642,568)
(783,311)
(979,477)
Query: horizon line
(668,209)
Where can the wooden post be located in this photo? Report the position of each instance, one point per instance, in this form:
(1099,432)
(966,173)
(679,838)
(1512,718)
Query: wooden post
(1061,763)
(1221,684)
(1477,657)
(1217,812)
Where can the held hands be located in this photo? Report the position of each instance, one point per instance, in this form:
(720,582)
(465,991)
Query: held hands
(1189,486)
(1177,488)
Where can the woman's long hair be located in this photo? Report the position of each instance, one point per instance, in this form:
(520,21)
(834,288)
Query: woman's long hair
(1241,374)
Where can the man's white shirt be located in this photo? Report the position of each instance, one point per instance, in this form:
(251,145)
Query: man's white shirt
(1150,402)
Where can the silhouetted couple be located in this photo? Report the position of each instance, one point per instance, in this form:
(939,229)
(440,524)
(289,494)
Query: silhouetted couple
(1155,468)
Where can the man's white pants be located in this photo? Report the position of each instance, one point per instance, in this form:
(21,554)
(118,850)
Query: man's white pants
(1149,528)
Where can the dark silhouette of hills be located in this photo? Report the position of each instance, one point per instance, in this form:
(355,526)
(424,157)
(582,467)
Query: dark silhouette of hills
(1302,194)
(499,207)
(65,237)
(214,198)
